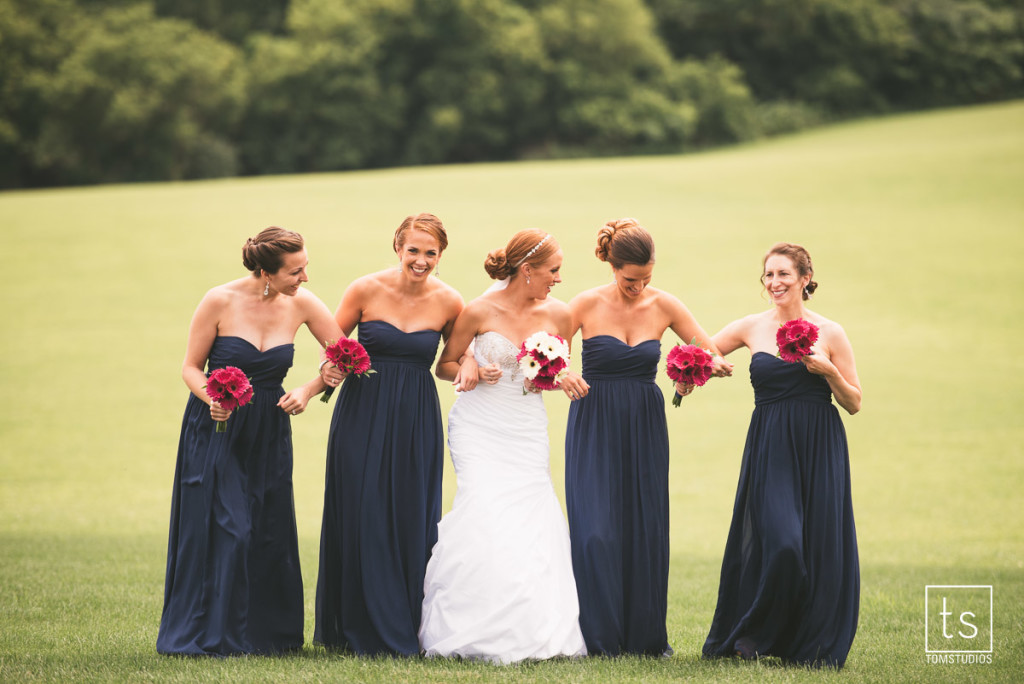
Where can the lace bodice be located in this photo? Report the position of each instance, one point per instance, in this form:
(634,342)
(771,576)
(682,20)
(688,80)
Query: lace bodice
(493,347)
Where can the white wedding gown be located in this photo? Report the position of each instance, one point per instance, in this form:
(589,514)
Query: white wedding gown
(499,584)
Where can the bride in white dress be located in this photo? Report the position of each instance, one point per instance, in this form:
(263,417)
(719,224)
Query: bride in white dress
(499,584)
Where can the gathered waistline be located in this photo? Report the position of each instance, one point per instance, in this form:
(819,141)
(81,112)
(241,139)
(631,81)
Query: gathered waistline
(374,360)
(802,400)
(621,378)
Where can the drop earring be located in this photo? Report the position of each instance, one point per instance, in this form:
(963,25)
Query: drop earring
(266,289)
(527,280)
(437,270)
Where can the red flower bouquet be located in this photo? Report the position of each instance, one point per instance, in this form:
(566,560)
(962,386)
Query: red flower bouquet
(689,364)
(795,339)
(351,357)
(230,389)
(544,360)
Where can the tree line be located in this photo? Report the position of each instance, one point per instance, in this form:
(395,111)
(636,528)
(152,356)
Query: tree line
(127,90)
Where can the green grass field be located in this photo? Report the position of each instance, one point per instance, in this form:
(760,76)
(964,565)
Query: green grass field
(916,226)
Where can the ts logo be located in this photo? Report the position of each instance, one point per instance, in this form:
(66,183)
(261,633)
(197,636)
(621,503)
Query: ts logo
(958,619)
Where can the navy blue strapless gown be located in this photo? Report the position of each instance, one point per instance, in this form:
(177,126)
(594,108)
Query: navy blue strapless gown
(233,583)
(616,484)
(382,498)
(790,584)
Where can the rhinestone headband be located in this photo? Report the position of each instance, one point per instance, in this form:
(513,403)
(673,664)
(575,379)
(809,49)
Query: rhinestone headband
(532,251)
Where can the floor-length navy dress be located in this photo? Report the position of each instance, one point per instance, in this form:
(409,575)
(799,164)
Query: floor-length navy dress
(233,583)
(790,583)
(382,498)
(616,482)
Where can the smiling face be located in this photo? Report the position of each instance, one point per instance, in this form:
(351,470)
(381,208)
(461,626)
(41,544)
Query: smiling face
(291,275)
(632,279)
(418,254)
(544,276)
(782,280)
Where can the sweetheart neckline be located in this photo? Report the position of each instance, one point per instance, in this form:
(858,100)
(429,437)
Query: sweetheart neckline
(261,351)
(406,332)
(495,332)
(624,343)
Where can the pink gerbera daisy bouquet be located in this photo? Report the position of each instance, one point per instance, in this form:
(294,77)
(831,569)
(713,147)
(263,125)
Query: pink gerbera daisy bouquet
(351,357)
(795,339)
(230,388)
(544,360)
(690,364)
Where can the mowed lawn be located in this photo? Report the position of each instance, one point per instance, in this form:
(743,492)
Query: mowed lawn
(916,227)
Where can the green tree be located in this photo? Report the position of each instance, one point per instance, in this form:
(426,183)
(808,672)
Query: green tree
(315,106)
(33,42)
(374,83)
(140,98)
(854,56)
(473,72)
(234,20)
(825,52)
(961,51)
(610,79)
(614,87)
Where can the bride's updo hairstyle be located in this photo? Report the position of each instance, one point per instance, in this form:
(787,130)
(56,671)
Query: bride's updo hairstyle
(801,261)
(266,251)
(624,241)
(531,246)
(428,223)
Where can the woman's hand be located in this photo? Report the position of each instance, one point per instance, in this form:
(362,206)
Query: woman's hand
(217,413)
(720,367)
(491,373)
(819,364)
(684,389)
(294,402)
(467,376)
(332,375)
(574,386)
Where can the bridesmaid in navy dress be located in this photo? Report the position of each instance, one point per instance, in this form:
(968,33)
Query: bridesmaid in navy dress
(617,451)
(385,453)
(233,584)
(790,583)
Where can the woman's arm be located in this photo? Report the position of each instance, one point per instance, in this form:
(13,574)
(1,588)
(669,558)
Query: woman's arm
(346,317)
(322,325)
(350,308)
(568,322)
(683,324)
(732,336)
(202,331)
(468,374)
(465,329)
(838,368)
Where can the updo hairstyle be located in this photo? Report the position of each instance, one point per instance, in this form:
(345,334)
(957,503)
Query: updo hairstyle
(531,246)
(801,261)
(624,241)
(266,251)
(428,223)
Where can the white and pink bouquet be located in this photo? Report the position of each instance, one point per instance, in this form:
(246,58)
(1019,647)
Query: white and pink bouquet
(544,360)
